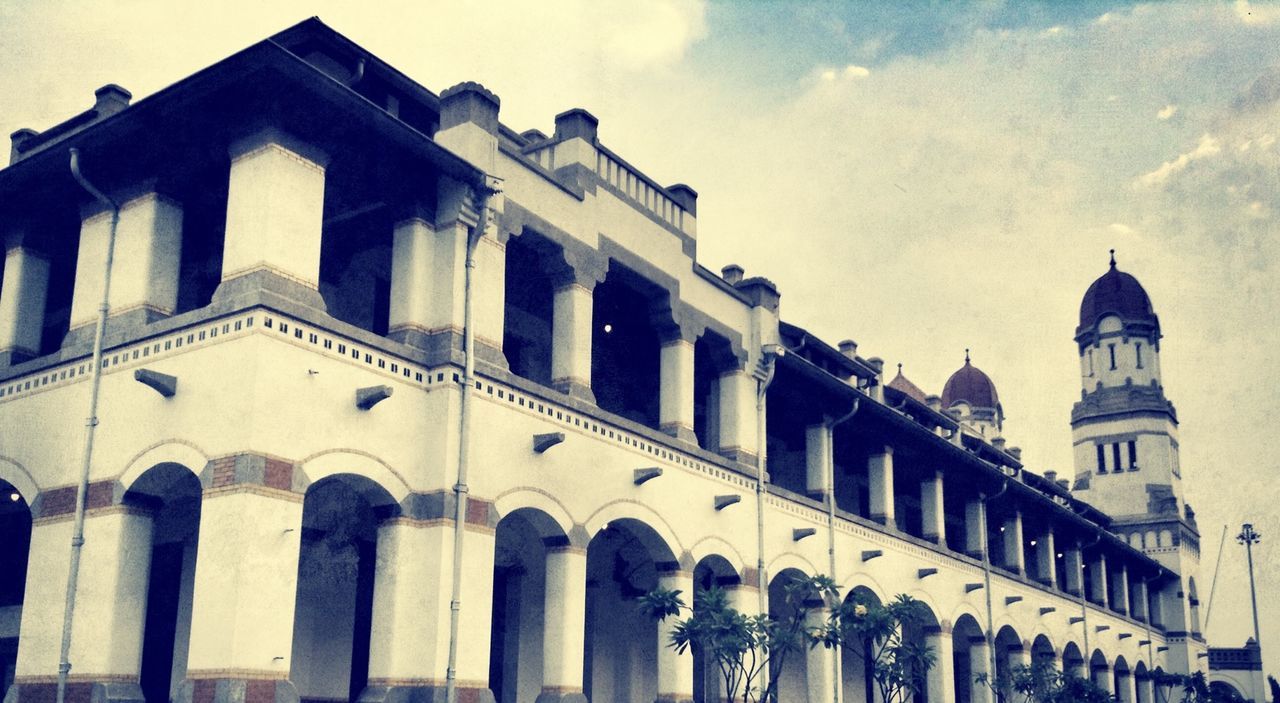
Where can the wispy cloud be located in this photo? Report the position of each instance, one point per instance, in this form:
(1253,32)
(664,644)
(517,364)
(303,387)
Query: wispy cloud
(1208,146)
(1167,112)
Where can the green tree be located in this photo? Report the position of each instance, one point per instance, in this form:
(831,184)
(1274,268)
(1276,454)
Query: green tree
(876,633)
(1043,683)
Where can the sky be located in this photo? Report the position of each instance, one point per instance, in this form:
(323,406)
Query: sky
(920,177)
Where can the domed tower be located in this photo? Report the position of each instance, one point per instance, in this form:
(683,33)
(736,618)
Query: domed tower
(971,392)
(1125,434)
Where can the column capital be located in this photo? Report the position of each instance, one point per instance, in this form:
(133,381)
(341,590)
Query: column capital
(269,138)
(584,268)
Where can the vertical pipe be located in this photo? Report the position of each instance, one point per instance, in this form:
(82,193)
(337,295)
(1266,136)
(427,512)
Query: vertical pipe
(1213,585)
(460,488)
(770,359)
(91,423)
(831,533)
(1084,609)
(1253,592)
(986,578)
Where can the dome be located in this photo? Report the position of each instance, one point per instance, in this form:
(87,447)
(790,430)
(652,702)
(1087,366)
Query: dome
(970,385)
(904,385)
(1116,293)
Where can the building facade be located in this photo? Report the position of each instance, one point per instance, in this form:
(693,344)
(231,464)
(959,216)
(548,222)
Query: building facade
(346,316)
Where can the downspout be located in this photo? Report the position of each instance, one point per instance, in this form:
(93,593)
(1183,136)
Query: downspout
(95,385)
(460,488)
(986,579)
(770,352)
(1084,609)
(837,692)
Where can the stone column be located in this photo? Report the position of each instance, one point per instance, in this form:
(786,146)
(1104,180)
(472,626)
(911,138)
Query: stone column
(817,447)
(22,302)
(565,625)
(275,215)
(414,278)
(111,600)
(1101,677)
(675,671)
(880,482)
(980,663)
(738,416)
(1098,581)
(939,680)
(932,506)
(1138,605)
(1144,688)
(1046,559)
(1120,587)
(820,664)
(1014,557)
(675,393)
(571,331)
(144,269)
(1074,569)
(975,528)
(1126,690)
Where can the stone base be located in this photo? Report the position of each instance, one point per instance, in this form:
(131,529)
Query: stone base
(129,325)
(425,693)
(236,691)
(77,692)
(554,696)
(681,432)
(445,347)
(576,389)
(248,289)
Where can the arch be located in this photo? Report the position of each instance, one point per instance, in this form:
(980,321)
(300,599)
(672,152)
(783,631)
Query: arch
(715,546)
(966,611)
(929,602)
(790,560)
(632,510)
(333,462)
(16,475)
(1042,649)
(543,525)
(1072,659)
(529,498)
(716,567)
(868,583)
(169,451)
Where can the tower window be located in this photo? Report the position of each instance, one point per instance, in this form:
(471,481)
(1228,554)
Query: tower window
(1133,455)
(1138,348)
(1115,454)
(1090,363)
(1112,348)
(1102,460)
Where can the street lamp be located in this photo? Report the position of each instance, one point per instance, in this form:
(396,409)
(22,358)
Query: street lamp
(1249,537)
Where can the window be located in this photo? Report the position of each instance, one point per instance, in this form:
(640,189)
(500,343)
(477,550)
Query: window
(1112,349)
(1138,348)
(1090,363)
(1115,454)
(1102,460)
(1133,455)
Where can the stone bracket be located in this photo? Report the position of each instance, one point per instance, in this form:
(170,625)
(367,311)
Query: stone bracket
(870,554)
(640,476)
(545,441)
(800,533)
(725,501)
(366,398)
(971,587)
(161,383)
(922,573)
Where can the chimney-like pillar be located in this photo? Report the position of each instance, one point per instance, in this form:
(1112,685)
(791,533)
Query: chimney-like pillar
(22,303)
(880,486)
(817,446)
(933,514)
(1011,538)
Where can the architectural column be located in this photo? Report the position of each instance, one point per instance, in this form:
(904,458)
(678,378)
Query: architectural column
(1101,676)
(1074,570)
(1098,581)
(22,302)
(1120,588)
(111,600)
(817,447)
(144,269)
(939,680)
(1126,689)
(1046,559)
(246,586)
(820,664)
(880,484)
(738,416)
(571,337)
(675,392)
(979,664)
(975,528)
(1144,688)
(275,215)
(563,634)
(1014,557)
(415,279)
(1139,601)
(675,670)
(933,511)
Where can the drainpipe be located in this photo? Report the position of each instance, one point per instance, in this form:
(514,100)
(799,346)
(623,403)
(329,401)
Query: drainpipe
(1146,608)
(771,352)
(460,489)
(95,384)
(1084,609)
(837,693)
(986,577)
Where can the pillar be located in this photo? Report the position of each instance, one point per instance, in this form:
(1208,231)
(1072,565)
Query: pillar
(880,481)
(1126,688)
(939,680)
(1120,588)
(979,664)
(414,277)
(1144,688)
(738,416)
(144,269)
(975,528)
(934,516)
(820,665)
(1098,581)
(571,332)
(245,590)
(111,602)
(1138,606)
(675,670)
(1103,679)
(1074,570)
(275,215)
(817,447)
(1011,540)
(564,630)
(675,392)
(22,302)
(1046,559)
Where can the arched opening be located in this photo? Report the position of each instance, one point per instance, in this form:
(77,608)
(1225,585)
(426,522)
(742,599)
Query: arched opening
(967,658)
(529,299)
(15,548)
(1122,681)
(1009,655)
(625,345)
(1223,691)
(1043,654)
(792,671)
(172,494)
(1142,683)
(927,631)
(336,566)
(520,591)
(857,670)
(623,563)
(1100,671)
(712,357)
(1072,661)
(712,571)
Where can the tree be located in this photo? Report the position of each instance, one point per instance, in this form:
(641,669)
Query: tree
(875,632)
(1043,683)
(1193,688)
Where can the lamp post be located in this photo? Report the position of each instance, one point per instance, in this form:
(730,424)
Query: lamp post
(1249,537)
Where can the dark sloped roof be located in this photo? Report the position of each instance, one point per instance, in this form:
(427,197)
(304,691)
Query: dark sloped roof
(972,386)
(902,383)
(1116,293)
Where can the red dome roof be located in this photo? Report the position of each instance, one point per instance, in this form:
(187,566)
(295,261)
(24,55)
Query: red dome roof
(972,386)
(1116,293)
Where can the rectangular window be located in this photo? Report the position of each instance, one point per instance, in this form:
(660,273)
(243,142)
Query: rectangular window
(1091,363)
(1138,348)
(1115,454)
(1112,349)
(1133,455)
(1102,460)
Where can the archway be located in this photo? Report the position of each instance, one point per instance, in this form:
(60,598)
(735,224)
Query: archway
(1043,655)
(712,571)
(1009,655)
(856,666)
(968,659)
(1100,671)
(1072,661)
(1122,681)
(792,672)
(172,494)
(927,631)
(1142,683)
(336,567)
(15,547)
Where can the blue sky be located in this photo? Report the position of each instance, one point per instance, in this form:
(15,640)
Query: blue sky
(920,177)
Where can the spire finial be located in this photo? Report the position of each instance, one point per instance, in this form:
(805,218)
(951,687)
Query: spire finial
(1113,258)
(899,368)
(966,356)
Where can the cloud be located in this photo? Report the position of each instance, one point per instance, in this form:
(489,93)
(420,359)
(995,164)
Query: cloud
(1120,228)
(1208,146)
(1166,112)
(853,71)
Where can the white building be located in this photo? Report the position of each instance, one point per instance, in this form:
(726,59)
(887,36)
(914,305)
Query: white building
(285,415)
